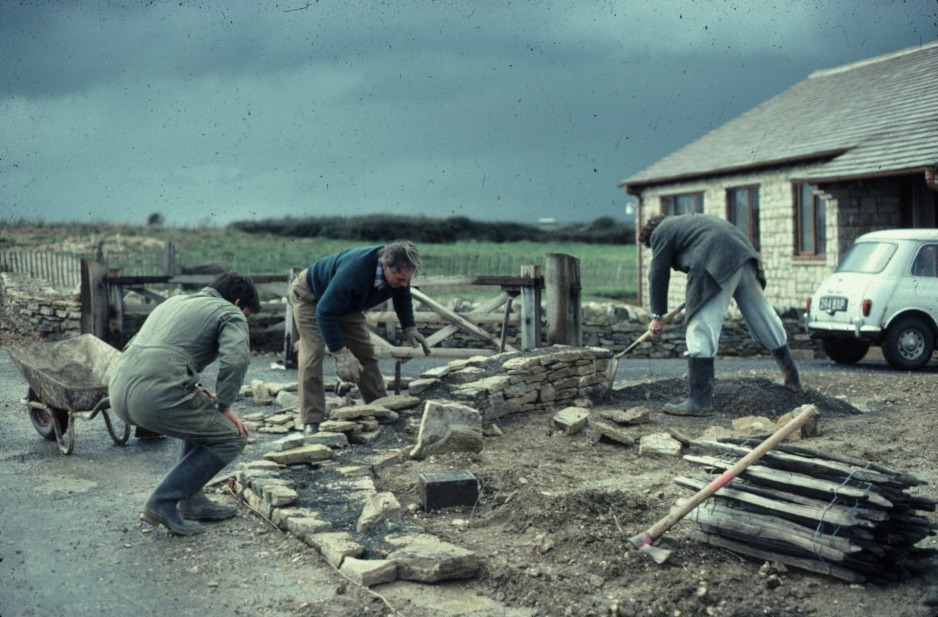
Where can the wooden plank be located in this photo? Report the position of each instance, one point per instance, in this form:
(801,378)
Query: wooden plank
(457,319)
(833,515)
(377,317)
(814,465)
(797,481)
(897,475)
(826,546)
(810,565)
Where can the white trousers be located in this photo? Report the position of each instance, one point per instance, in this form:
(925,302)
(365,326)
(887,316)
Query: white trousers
(765,326)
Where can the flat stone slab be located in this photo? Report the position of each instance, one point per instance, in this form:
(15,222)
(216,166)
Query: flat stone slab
(432,561)
(629,417)
(303,454)
(659,444)
(614,433)
(571,420)
(448,427)
(369,572)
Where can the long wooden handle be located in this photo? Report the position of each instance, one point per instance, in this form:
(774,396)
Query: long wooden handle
(647,333)
(810,411)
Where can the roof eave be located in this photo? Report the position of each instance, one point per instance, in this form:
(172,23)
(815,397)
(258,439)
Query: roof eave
(635,188)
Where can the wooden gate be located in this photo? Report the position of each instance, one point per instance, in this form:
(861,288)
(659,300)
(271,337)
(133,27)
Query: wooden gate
(104,310)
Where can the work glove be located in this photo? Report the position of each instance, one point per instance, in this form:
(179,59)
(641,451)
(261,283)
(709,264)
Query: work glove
(347,367)
(415,339)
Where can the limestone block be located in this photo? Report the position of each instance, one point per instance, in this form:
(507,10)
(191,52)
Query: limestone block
(448,427)
(659,444)
(378,508)
(369,572)
(355,412)
(632,416)
(286,443)
(614,433)
(260,393)
(303,454)
(750,426)
(339,426)
(335,546)
(434,561)
(571,420)
(398,402)
(418,386)
(287,400)
(323,438)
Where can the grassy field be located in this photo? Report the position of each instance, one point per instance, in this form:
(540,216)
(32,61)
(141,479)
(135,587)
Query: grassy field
(607,271)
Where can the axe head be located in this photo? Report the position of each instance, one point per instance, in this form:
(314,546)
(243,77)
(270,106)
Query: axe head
(643,543)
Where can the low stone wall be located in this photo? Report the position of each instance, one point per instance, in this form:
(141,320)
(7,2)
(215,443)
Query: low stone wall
(519,381)
(32,306)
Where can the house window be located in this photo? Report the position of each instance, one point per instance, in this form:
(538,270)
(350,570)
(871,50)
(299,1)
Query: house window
(685,203)
(811,219)
(742,210)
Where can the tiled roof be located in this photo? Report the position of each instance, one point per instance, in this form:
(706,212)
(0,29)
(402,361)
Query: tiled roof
(874,117)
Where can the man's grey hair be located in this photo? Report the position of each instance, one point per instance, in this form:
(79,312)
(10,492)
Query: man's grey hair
(401,255)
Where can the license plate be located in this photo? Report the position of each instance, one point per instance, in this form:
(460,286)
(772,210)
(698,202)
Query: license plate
(832,304)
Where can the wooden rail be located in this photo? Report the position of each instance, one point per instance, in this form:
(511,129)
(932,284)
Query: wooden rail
(104,309)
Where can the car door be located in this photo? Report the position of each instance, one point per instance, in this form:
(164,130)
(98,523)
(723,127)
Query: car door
(917,289)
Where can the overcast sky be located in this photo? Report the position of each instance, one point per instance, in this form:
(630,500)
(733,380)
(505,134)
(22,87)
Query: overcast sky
(209,112)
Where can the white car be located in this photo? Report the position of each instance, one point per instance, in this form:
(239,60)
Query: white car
(883,293)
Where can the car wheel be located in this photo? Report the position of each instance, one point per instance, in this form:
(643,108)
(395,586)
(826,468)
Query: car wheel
(845,351)
(909,344)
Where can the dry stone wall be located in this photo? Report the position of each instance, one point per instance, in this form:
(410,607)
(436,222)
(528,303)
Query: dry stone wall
(32,306)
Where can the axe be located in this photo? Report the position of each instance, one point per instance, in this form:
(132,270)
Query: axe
(643,541)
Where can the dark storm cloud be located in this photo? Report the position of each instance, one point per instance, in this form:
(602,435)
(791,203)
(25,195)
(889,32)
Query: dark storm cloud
(223,110)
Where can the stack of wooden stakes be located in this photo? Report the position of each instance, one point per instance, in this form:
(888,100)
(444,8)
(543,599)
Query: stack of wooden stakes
(835,515)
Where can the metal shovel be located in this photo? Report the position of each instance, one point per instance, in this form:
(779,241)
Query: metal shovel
(614,365)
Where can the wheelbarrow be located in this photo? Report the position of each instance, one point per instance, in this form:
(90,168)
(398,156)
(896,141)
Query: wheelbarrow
(67,380)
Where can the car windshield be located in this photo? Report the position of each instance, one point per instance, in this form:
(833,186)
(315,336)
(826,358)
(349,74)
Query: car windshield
(867,257)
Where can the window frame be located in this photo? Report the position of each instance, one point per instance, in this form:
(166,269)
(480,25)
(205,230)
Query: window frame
(818,213)
(751,193)
(669,203)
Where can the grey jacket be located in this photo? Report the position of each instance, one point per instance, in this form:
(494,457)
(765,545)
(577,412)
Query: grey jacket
(161,365)
(707,248)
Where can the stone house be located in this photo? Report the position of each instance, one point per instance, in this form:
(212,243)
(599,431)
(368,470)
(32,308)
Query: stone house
(850,149)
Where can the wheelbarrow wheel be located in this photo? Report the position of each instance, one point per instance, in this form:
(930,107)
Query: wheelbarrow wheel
(64,431)
(116,428)
(42,417)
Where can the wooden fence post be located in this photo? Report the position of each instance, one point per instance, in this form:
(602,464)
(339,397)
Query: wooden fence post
(530,309)
(290,335)
(562,280)
(170,267)
(94,298)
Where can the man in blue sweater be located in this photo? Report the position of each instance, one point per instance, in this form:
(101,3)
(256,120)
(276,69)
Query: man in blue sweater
(329,299)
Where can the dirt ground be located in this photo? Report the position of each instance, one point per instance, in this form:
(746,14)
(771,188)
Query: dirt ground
(555,512)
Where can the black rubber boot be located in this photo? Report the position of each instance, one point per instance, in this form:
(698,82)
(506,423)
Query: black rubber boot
(786,364)
(198,507)
(184,480)
(700,384)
